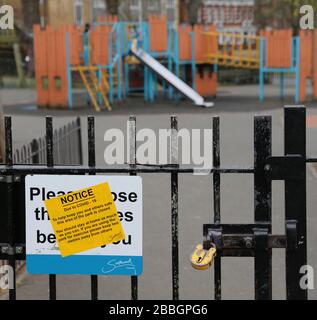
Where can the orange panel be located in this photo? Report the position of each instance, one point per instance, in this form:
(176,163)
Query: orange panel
(185,43)
(52,63)
(305,61)
(212,44)
(54,53)
(41,70)
(61,85)
(158,33)
(314,67)
(99,40)
(206,83)
(75,44)
(279,48)
(199,53)
(204,45)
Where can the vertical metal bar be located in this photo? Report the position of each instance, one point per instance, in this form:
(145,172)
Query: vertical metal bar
(216,176)
(79,142)
(119,63)
(92,163)
(132,161)
(193,60)
(262,59)
(174,209)
(216,191)
(297,72)
(35,152)
(99,77)
(295,200)
(50,163)
(263,207)
(9,200)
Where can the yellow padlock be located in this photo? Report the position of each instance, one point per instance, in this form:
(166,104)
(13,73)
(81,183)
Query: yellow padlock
(202,259)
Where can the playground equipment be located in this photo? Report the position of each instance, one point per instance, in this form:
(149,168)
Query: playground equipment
(280,54)
(167,75)
(93,85)
(182,60)
(308,62)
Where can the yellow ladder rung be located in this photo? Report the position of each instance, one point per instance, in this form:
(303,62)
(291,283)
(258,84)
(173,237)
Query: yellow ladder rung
(93,87)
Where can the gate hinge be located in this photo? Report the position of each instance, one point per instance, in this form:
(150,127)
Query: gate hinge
(289,167)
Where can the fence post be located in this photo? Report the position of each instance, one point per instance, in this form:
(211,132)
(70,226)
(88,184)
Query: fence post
(50,164)
(216,191)
(35,152)
(92,164)
(174,211)
(132,162)
(11,233)
(263,208)
(295,199)
(79,142)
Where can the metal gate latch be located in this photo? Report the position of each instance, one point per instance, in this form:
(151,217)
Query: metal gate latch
(202,259)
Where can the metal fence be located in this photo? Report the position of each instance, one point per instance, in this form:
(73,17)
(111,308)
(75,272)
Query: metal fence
(67,150)
(250,240)
(67,147)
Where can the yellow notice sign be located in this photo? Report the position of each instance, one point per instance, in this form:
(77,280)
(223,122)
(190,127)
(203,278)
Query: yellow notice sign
(85,219)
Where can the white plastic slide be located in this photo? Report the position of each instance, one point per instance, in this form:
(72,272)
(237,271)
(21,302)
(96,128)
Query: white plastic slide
(167,75)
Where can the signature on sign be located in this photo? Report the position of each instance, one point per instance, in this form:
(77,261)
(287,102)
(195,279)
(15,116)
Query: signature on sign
(115,264)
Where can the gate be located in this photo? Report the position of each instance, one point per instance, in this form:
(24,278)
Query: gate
(235,240)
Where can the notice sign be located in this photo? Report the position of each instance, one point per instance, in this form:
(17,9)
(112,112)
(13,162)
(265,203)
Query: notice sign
(83,224)
(85,219)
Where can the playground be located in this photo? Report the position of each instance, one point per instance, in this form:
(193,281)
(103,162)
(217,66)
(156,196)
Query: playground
(158,74)
(111,61)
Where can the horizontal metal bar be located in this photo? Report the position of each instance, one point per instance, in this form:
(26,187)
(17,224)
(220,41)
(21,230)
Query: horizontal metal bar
(274,70)
(58,170)
(247,241)
(284,168)
(311,159)
(17,251)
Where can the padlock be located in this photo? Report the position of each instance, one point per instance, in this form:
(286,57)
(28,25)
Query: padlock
(202,259)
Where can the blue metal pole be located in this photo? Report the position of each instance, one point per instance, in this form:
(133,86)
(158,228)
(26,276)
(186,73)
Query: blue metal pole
(262,57)
(99,75)
(193,61)
(86,53)
(86,49)
(111,84)
(170,51)
(145,84)
(176,61)
(297,74)
(119,63)
(151,89)
(110,68)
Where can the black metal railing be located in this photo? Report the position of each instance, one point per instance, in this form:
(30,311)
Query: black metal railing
(67,150)
(234,240)
(67,147)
